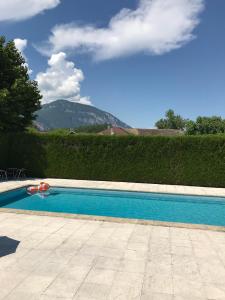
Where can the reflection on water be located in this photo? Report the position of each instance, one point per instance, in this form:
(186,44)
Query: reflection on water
(48,193)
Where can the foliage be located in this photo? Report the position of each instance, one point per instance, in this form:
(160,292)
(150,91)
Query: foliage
(19,96)
(91,128)
(202,125)
(171,121)
(186,160)
(32,129)
(206,125)
(59,131)
(4,148)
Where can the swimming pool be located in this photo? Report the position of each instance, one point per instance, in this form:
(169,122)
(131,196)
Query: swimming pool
(133,205)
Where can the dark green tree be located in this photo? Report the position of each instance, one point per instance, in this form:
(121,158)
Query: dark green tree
(171,121)
(19,96)
(206,125)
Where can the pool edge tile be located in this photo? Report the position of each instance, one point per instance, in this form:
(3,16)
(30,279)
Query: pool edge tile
(114,219)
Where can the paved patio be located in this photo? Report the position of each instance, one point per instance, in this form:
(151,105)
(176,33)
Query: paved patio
(60,258)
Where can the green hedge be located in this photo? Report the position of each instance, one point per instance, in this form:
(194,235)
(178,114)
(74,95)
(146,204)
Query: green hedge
(4,143)
(196,160)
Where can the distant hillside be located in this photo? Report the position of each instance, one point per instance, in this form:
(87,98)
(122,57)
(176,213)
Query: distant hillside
(66,114)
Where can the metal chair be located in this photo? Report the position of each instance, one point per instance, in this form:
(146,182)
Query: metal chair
(3,175)
(12,173)
(21,173)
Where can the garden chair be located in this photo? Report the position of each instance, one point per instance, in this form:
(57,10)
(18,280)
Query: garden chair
(21,173)
(3,175)
(12,173)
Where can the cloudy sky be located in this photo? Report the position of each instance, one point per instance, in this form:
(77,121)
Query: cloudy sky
(133,58)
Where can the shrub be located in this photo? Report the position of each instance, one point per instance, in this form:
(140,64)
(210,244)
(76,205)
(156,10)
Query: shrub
(186,160)
(4,144)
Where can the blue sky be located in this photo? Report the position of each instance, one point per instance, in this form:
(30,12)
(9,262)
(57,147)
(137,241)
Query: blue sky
(138,80)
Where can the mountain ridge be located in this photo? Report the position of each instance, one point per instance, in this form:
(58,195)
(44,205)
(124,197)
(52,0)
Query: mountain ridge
(66,114)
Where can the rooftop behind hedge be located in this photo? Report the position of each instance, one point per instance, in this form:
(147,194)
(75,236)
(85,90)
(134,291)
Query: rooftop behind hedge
(186,160)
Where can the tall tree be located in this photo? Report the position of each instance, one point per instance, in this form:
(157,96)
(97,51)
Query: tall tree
(171,121)
(19,96)
(206,125)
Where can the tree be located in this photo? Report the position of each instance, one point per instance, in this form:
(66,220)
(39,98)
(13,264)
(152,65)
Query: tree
(206,125)
(171,121)
(19,96)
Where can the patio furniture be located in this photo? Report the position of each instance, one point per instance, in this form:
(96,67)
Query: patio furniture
(21,173)
(3,175)
(12,173)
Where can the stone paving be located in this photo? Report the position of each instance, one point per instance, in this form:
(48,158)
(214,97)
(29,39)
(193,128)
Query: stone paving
(59,258)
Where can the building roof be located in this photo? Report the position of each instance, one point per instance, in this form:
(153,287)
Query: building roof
(143,132)
(115,131)
(140,132)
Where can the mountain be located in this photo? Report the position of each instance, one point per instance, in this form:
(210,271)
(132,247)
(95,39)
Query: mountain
(66,114)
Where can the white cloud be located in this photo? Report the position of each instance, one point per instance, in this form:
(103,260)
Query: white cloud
(155,27)
(21,45)
(15,10)
(61,80)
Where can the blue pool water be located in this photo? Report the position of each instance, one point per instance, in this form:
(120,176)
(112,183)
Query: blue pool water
(134,205)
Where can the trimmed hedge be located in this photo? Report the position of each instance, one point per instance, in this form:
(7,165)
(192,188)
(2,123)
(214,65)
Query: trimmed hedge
(186,160)
(4,143)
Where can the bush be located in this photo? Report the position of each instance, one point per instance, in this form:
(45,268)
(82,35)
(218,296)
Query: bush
(4,143)
(186,160)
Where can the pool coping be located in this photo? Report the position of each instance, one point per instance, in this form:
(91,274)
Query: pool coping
(114,219)
(119,186)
